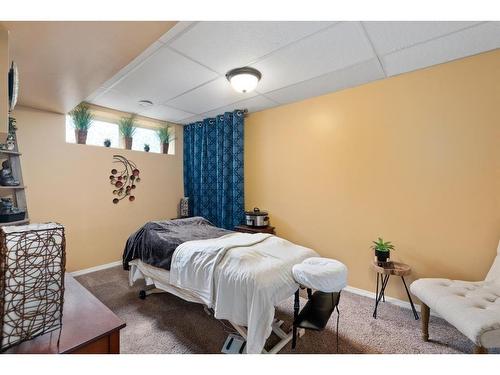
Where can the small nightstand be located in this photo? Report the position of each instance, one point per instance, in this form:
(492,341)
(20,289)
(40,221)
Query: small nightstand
(249,229)
(385,270)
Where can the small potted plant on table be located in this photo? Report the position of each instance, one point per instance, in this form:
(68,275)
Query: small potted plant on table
(382,249)
(82,120)
(127,130)
(166,136)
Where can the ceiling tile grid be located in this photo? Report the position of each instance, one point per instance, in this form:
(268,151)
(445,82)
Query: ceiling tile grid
(164,75)
(164,112)
(176,31)
(464,43)
(351,76)
(335,48)
(254,104)
(119,101)
(132,65)
(391,36)
(183,72)
(228,45)
(213,95)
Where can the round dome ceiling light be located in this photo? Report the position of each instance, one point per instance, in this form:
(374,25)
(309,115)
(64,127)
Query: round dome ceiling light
(244,79)
(145,103)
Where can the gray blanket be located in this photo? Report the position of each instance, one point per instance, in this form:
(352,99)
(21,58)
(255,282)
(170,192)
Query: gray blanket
(156,241)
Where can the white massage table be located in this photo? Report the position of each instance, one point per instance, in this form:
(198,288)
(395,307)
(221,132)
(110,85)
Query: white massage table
(240,277)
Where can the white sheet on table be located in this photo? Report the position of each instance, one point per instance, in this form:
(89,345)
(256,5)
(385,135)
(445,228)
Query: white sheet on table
(242,276)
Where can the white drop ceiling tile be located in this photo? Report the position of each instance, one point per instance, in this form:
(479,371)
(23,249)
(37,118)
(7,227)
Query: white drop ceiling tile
(175,31)
(190,120)
(116,100)
(359,74)
(212,95)
(100,91)
(342,45)
(255,104)
(226,45)
(162,76)
(468,42)
(390,36)
(165,113)
(133,64)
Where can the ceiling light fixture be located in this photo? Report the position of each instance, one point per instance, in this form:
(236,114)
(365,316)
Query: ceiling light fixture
(145,103)
(244,79)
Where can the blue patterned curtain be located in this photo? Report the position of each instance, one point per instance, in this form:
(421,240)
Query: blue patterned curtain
(213,169)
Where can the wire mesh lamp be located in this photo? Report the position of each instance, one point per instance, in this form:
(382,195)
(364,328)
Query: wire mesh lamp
(32,265)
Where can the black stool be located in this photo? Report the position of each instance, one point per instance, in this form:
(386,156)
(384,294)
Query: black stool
(316,313)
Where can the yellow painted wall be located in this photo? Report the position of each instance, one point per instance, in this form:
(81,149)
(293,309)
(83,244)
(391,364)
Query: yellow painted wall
(69,183)
(414,159)
(4,87)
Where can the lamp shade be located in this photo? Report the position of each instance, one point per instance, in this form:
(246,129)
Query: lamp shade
(244,79)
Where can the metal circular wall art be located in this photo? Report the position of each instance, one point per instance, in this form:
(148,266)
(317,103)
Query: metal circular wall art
(125,179)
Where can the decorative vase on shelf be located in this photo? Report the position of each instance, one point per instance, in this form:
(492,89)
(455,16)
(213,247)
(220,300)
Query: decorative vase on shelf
(128,143)
(8,212)
(11,142)
(6,176)
(382,256)
(164,147)
(81,136)
(382,249)
(184,207)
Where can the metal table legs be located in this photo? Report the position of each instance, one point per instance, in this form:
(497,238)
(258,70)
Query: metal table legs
(409,297)
(380,295)
(296,308)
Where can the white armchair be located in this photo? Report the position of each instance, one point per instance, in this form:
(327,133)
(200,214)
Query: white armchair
(471,307)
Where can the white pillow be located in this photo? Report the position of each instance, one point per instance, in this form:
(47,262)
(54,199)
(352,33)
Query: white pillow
(323,274)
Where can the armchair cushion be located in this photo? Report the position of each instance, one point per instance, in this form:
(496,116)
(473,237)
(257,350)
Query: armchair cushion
(494,272)
(471,307)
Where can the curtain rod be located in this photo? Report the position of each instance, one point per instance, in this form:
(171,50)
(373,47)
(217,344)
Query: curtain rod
(245,111)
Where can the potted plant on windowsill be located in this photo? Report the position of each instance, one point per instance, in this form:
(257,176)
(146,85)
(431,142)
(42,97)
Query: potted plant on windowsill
(382,249)
(166,136)
(146,147)
(107,142)
(82,120)
(127,130)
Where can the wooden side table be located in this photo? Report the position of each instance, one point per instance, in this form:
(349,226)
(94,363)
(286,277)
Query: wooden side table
(249,229)
(89,327)
(384,271)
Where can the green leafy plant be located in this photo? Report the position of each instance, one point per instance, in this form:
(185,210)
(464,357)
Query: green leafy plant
(127,126)
(382,246)
(165,134)
(82,117)
(146,147)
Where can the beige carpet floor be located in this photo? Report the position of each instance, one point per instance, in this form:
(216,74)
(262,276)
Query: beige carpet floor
(164,323)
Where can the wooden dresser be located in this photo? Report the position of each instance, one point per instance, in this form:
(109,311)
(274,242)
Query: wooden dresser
(249,229)
(89,327)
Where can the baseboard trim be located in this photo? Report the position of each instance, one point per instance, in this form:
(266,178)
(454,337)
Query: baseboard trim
(391,300)
(96,268)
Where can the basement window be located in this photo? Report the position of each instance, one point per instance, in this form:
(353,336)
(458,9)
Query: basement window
(102,130)
(143,136)
(97,134)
